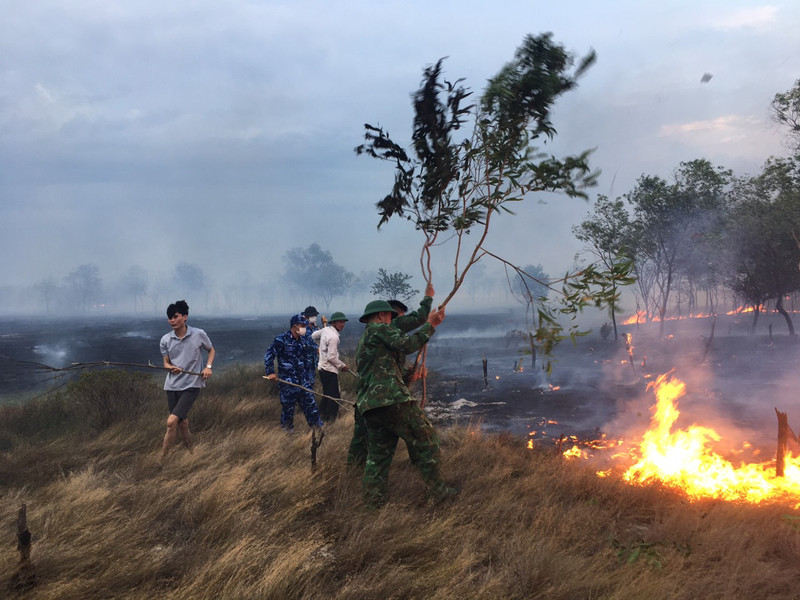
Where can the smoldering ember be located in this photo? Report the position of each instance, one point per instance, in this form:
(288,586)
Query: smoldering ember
(695,406)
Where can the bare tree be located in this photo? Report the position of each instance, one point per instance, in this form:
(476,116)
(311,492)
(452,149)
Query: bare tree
(86,285)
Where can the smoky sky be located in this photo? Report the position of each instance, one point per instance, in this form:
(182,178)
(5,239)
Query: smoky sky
(222,134)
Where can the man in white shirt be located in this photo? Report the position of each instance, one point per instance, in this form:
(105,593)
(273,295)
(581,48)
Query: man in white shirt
(330,364)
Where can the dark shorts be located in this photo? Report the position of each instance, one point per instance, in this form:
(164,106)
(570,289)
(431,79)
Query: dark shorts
(180,402)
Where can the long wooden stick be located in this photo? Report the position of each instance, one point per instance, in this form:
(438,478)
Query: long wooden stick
(340,401)
(24,577)
(93,365)
(315,443)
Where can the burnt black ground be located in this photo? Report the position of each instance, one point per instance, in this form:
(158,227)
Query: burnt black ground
(593,388)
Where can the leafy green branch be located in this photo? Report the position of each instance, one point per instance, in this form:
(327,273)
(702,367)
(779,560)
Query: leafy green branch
(597,285)
(453,187)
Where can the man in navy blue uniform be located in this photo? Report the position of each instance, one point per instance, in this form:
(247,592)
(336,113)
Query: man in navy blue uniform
(310,315)
(293,355)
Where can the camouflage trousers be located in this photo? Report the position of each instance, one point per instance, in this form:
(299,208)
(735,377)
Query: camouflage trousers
(385,426)
(357,453)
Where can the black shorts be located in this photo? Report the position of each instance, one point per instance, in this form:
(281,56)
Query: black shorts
(181,401)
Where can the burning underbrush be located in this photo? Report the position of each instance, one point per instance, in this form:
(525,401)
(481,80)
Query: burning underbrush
(692,459)
(710,432)
(682,409)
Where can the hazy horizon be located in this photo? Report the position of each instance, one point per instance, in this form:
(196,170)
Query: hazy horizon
(138,137)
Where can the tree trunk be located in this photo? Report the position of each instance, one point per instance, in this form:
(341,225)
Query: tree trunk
(662,310)
(710,339)
(614,316)
(533,350)
(756,312)
(781,310)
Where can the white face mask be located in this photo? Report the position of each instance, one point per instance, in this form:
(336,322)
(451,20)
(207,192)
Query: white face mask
(312,319)
(301,331)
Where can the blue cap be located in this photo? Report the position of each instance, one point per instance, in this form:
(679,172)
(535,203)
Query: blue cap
(298,319)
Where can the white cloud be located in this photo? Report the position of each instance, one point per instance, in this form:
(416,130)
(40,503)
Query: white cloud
(45,94)
(755,17)
(720,130)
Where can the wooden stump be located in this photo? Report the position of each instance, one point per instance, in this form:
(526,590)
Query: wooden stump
(783,430)
(315,443)
(24,577)
(785,435)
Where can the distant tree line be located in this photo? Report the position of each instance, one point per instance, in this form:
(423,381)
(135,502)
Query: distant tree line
(706,240)
(309,275)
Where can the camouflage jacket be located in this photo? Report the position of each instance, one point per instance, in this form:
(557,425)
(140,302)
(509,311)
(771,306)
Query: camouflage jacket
(379,361)
(294,356)
(410,321)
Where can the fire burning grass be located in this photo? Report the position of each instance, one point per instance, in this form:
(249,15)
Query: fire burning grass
(685,459)
(245,516)
(642,316)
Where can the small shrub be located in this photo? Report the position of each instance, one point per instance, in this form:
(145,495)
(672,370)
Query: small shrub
(109,396)
(241,380)
(38,419)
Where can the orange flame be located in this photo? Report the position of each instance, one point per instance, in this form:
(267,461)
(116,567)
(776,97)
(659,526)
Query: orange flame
(639,317)
(684,458)
(642,317)
(745,309)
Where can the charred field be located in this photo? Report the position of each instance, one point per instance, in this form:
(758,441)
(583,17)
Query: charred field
(246,516)
(734,379)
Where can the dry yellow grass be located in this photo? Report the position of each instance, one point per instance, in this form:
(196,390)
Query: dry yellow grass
(245,517)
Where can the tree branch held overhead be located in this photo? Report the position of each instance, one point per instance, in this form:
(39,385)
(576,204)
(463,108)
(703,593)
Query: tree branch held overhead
(446,184)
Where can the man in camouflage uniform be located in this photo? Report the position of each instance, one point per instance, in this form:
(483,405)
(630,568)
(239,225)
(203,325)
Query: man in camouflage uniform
(291,350)
(357,453)
(409,321)
(388,409)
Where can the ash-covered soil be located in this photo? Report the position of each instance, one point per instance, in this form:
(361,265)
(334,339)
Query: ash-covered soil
(734,382)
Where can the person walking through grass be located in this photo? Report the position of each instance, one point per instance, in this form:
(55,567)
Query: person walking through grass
(295,366)
(181,350)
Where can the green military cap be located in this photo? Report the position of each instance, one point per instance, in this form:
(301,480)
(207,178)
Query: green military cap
(337,316)
(376,306)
